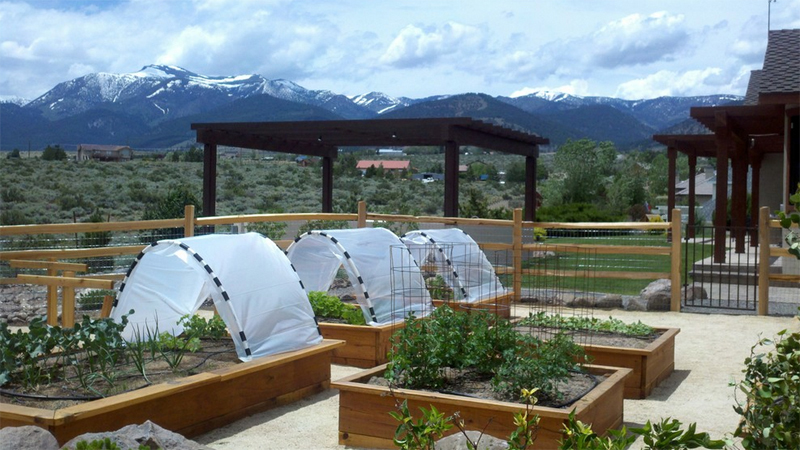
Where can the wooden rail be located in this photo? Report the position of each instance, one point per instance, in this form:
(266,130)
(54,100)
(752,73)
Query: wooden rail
(189,223)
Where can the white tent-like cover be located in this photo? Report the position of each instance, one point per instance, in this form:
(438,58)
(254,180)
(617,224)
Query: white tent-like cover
(369,256)
(255,289)
(459,260)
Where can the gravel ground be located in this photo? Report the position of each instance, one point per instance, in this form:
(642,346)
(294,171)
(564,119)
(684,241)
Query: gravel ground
(709,355)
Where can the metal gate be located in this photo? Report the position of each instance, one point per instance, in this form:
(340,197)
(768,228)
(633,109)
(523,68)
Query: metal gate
(729,283)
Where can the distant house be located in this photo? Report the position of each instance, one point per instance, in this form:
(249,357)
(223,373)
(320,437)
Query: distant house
(390,166)
(304,161)
(104,152)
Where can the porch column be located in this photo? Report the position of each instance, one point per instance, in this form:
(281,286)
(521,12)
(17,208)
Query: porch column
(692,200)
(723,141)
(755,197)
(327,184)
(671,157)
(451,179)
(209,180)
(530,188)
(739,196)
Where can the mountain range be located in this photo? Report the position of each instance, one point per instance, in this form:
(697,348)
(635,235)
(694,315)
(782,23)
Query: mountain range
(154,107)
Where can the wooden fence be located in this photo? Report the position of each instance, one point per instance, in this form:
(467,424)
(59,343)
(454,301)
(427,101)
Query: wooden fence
(189,223)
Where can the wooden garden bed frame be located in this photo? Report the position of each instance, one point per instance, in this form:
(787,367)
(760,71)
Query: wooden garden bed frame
(195,404)
(366,346)
(364,419)
(651,365)
(500,305)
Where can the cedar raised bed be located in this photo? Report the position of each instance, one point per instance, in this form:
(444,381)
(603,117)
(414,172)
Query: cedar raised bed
(651,365)
(366,346)
(500,305)
(364,419)
(193,405)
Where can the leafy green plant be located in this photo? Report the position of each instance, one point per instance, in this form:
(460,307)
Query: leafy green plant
(93,300)
(438,288)
(198,326)
(668,435)
(329,306)
(104,444)
(578,323)
(422,433)
(580,436)
(771,411)
(788,221)
(426,348)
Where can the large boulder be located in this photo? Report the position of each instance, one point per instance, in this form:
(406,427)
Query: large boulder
(458,441)
(609,301)
(27,438)
(148,434)
(658,295)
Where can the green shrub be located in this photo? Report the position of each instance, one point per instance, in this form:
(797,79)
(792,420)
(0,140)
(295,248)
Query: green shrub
(575,212)
(771,410)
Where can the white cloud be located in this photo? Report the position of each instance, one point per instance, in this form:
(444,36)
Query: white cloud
(638,39)
(672,83)
(418,46)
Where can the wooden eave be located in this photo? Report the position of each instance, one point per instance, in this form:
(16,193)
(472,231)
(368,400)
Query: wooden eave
(701,145)
(742,120)
(322,138)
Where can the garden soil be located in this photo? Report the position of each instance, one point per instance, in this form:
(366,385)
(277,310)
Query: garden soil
(709,356)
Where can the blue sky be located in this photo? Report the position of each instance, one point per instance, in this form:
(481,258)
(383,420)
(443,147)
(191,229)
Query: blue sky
(629,49)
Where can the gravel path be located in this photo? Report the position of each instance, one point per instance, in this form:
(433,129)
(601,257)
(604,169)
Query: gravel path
(710,352)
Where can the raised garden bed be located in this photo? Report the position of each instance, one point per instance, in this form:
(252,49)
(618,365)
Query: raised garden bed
(651,365)
(364,419)
(192,405)
(365,346)
(499,305)
(651,357)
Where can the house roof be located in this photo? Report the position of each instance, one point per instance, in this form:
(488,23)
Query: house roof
(387,165)
(753,87)
(104,148)
(781,72)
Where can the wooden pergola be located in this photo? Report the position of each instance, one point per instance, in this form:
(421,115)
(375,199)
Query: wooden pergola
(324,138)
(742,135)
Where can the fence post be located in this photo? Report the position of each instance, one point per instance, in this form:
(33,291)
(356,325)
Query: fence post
(52,298)
(517,251)
(362,214)
(188,221)
(67,302)
(675,256)
(763,261)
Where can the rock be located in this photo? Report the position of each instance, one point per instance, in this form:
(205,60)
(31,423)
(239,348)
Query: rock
(635,304)
(658,295)
(458,441)
(148,434)
(694,293)
(27,438)
(581,302)
(609,301)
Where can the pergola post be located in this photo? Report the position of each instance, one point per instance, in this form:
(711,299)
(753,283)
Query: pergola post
(209,180)
(672,155)
(530,188)
(692,199)
(327,184)
(723,137)
(451,179)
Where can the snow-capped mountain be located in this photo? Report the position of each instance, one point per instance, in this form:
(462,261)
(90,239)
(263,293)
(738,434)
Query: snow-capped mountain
(158,93)
(156,105)
(658,113)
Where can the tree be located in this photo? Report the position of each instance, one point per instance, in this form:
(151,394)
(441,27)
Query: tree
(54,153)
(583,166)
(14,154)
(194,154)
(171,206)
